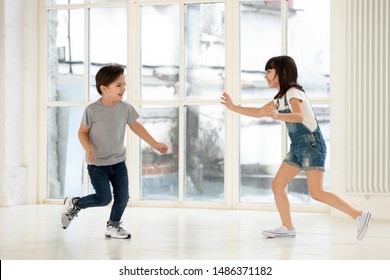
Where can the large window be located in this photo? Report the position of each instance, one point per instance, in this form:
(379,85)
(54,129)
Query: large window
(179,57)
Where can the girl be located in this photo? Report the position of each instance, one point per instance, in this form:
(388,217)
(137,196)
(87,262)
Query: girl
(102,133)
(307,149)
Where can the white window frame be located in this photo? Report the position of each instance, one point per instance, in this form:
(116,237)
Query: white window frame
(232,64)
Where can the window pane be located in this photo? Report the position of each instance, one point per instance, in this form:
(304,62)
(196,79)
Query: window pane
(160,52)
(260,29)
(204,153)
(205,50)
(65,155)
(65,55)
(260,158)
(108,40)
(159,179)
(308,44)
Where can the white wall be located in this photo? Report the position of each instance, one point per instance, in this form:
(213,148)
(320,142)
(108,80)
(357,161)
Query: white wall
(379,204)
(18,101)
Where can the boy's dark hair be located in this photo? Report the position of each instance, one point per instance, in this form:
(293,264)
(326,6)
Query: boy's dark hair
(107,74)
(286,69)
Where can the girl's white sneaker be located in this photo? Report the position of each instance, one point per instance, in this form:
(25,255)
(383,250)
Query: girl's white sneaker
(362,224)
(281,231)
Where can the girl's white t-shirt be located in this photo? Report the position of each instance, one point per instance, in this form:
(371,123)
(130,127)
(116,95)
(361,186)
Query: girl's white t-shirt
(309,119)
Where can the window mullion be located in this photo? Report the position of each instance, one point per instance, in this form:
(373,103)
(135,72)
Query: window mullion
(133,95)
(181,103)
(87,83)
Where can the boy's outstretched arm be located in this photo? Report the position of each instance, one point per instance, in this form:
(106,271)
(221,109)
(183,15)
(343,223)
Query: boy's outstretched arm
(141,131)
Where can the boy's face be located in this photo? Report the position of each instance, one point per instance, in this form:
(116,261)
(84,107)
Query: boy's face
(114,91)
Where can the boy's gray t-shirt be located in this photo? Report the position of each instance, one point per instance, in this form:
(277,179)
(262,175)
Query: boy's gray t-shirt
(107,128)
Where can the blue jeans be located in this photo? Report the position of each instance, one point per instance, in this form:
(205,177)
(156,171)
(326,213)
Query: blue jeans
(101,177)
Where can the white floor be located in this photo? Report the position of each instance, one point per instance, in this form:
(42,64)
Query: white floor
(33,232)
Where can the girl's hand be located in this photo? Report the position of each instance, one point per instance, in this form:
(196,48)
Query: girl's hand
(271,112)
(227,101)
(161,147)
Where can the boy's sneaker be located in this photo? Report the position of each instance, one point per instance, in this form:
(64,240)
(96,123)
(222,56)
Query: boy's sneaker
(362,224)
(69,211)
(116,231)
(281,231)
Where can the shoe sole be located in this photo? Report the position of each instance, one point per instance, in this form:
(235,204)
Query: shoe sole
(365,227)
(110,236)
(272,235)
(64,227)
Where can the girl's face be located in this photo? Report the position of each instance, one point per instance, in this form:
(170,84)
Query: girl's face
(114,91)
(272,78)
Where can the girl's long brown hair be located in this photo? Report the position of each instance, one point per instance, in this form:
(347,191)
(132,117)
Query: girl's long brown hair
(286,69)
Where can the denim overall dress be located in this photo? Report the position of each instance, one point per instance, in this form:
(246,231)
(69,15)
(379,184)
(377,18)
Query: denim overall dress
(307,149)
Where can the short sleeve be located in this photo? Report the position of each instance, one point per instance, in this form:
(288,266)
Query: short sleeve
(87,117)
(132,114)
(294,93)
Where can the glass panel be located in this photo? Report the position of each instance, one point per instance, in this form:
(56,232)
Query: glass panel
(65,55)
(108,41)
(159,179)
(65,155)
(205,50)
(260,158)
(308,44)
(260,39)
(204,148)
(160,52)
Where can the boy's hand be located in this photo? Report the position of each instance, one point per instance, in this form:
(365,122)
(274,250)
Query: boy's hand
(90,154)
(161,147)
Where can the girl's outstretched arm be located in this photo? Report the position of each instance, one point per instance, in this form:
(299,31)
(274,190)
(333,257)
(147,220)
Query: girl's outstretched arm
(247,111)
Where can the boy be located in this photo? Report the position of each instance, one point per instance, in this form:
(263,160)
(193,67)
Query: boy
(102,133)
